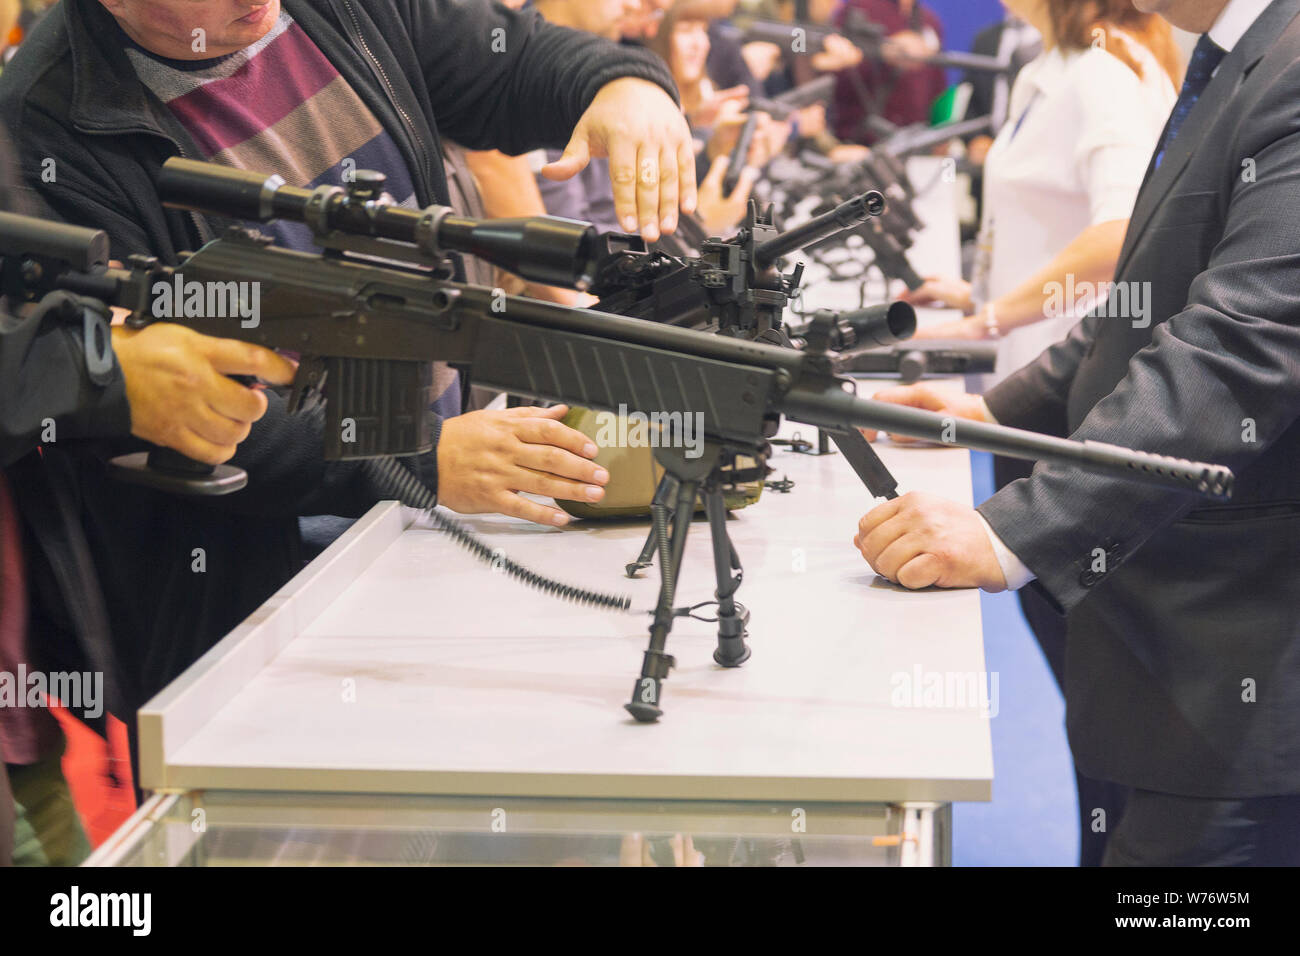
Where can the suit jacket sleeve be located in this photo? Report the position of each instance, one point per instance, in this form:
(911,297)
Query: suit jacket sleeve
(1219,382)
(508,80)
(1034,398)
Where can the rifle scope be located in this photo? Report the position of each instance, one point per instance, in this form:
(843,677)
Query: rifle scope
(545,249)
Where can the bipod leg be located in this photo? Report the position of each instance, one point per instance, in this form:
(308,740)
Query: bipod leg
(665,495)
(656,664)
(732,617)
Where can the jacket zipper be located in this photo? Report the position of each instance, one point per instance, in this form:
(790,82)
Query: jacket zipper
(392,98)
(200,226)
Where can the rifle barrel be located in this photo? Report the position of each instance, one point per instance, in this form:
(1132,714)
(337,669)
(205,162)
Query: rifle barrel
(844,411)
(844,216)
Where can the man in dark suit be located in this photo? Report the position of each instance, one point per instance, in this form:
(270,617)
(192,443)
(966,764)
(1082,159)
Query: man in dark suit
(1183,651)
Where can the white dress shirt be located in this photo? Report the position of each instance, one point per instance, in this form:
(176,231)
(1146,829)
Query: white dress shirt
(1233,22)
(1237,17)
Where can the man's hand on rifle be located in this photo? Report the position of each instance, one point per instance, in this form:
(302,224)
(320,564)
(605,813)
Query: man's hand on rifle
(762,58)
(715,105)
(769,138)
(837,53)
(651,156)
(486,459)
(908,49)
(179,394)
(922,541)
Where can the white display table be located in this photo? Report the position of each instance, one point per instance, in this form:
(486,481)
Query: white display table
(401,702)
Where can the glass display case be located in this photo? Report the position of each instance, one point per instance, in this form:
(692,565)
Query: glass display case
(225,828)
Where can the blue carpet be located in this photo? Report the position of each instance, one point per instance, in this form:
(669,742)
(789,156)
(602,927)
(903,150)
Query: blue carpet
(1032,819)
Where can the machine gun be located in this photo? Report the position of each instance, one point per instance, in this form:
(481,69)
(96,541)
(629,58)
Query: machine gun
(734,288)
(850,334)
(798,36)
(373,309)
(919,138)
(910,361)
(876,171)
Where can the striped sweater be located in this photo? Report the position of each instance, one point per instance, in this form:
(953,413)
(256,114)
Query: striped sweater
(279,106)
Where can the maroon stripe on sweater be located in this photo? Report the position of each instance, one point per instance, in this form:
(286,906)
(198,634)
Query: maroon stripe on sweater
(280,78)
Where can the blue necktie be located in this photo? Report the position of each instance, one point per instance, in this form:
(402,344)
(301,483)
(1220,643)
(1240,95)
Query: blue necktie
(1205,60)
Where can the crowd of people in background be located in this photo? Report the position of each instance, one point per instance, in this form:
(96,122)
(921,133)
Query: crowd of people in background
(1027,237)
(1074,120)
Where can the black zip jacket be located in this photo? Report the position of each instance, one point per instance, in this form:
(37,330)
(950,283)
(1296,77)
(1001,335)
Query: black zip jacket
(51,393)
(179,573)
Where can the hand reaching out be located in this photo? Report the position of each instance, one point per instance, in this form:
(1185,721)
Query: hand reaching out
(953,293)
(651,154)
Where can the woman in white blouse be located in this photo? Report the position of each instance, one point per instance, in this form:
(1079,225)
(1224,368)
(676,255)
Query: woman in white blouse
(1062,176)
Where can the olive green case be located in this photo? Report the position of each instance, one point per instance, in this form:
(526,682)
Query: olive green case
(634,474)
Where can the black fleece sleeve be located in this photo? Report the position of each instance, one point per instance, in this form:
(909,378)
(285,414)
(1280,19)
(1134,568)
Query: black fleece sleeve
(508,80)
(47,391)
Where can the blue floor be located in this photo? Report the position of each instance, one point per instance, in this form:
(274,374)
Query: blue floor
(1031,821)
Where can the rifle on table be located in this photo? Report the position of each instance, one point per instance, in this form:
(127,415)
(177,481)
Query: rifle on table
(370,313)
(735,288)
(920,138)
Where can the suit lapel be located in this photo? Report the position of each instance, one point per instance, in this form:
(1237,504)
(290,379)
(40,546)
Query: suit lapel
(1234,69)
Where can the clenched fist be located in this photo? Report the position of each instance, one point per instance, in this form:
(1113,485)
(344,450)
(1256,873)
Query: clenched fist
(922,540)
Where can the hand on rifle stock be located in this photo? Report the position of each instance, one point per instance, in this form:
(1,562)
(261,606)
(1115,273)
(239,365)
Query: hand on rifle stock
(179,393)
